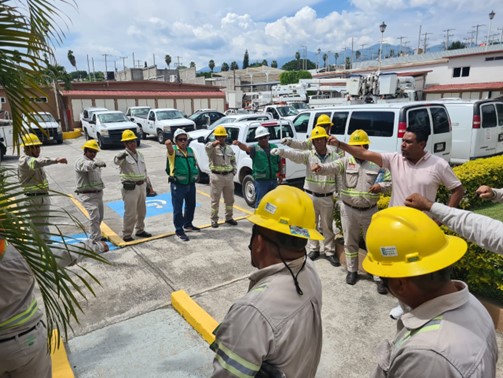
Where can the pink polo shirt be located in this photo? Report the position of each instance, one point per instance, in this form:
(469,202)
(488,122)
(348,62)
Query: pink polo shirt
(424,177)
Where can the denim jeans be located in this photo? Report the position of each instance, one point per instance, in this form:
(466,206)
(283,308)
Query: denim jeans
(262,187)
(179,194)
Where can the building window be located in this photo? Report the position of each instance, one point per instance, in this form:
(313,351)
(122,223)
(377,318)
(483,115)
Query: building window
(461,72)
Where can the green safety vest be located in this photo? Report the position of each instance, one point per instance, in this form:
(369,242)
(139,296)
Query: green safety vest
(265,165)
(185,170)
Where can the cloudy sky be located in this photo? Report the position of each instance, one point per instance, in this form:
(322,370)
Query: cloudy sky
(200,30)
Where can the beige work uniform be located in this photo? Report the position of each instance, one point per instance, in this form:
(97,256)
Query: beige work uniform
(133,170)
(451,336)
(222,162)
(272,323)
(90,193)
(36,187)
(357,203)
(23,337)
(322,190)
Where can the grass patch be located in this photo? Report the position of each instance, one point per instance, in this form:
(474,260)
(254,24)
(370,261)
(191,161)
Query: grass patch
(493,210)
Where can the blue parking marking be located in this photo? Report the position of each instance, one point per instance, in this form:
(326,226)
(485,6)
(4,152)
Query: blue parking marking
(158,205)
(77,238)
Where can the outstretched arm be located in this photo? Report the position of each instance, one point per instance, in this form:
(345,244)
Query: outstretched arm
(356,151)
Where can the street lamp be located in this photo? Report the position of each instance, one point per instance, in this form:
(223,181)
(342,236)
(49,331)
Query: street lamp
(318,60)
(382,28)
(491,16)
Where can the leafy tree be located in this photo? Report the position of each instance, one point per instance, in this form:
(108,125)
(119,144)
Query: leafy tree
(274,64)
(204,74)
(297,58)
(72,59)
(28,29)
(336,56)
(264,62)
(224,67)
(358,54)
(234,66)
(293,77)
(456,45)
(256,64)
(292,65)
(325,58)
(211,64)
(348,63)
(192,65)
(246,60)
(167,59)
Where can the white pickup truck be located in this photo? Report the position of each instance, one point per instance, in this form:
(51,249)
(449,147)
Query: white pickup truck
(48,129)
(107,127)
(163,123)
(138,115)
(245,133)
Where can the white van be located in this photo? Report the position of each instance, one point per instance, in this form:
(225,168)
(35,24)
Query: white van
(477,128)
(384,123)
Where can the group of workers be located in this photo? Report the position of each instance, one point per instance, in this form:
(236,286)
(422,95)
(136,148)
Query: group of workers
(276,327)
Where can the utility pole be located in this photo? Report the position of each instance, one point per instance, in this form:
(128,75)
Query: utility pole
(401,38)
(123,61)
(501,36)
(419,38)
(425,41)
(106,67)
(477,33)
(362,54)
(471,34)
(88,68)
(178,61)
(447,35)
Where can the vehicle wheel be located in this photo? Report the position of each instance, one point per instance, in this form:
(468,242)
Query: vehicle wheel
(59,141)
(248,188)
(101,143)
(142,134)
(160,136)
(86,135)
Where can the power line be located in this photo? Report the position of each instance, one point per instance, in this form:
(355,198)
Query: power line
(447,35)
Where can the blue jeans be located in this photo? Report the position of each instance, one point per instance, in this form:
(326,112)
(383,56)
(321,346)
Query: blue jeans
(179,194)
(262,187)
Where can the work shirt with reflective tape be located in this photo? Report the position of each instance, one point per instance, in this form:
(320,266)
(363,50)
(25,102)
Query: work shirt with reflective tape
(308,144)
(273,323)
(132,167)
(88,175)
(446,337)
(18,307)
(32,175)
(357,176)
(314,182)
(498,195)
(222,159)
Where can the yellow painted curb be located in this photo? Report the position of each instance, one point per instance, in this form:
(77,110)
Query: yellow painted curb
(72,134)
(60,365)
(199,319)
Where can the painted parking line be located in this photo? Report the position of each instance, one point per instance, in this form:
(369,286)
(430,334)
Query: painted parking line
(61,367)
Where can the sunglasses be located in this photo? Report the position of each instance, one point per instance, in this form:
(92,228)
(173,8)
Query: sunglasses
(181,139)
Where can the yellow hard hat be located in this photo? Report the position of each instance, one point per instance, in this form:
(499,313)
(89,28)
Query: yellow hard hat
(288,210)
(220,131)
(128,135)
(358,138)
(319,132)
(405,242)
(30,140)
(92,145)
(324,120)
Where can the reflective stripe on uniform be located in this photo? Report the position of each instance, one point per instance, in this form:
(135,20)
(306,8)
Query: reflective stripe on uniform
(432,325)
(21,318)
(233,363)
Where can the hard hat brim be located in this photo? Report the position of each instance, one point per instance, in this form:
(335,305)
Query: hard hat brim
(454,249)
(286,229)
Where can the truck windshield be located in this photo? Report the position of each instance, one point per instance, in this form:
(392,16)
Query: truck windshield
(112,117)
(169,114)
(44,117)
(140,112)
(286,111)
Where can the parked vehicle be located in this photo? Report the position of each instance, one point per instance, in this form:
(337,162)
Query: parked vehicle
(204,117)
(87,115)
(384,123)
(107,128)
(241,118)
(48,129)
(245,133)
(281,111)
(164,122)
(138,115)
(6,140)
(477,128)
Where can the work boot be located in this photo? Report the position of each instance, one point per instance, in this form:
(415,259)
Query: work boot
(214,224)
(128,239)
(381,288)
(232,222)
(314,255)
(144,234)
(334,260)
(351,278)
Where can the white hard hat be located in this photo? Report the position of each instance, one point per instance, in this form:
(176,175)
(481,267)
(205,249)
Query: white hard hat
(260,132)
(179,132)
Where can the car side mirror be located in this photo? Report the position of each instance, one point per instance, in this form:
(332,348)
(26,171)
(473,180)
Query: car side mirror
(92,122)
(201,139)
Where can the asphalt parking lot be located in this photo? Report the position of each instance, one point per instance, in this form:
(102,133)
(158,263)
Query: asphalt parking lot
(130,328)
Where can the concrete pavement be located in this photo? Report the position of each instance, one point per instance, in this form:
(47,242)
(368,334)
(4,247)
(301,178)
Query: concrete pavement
(130,328)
